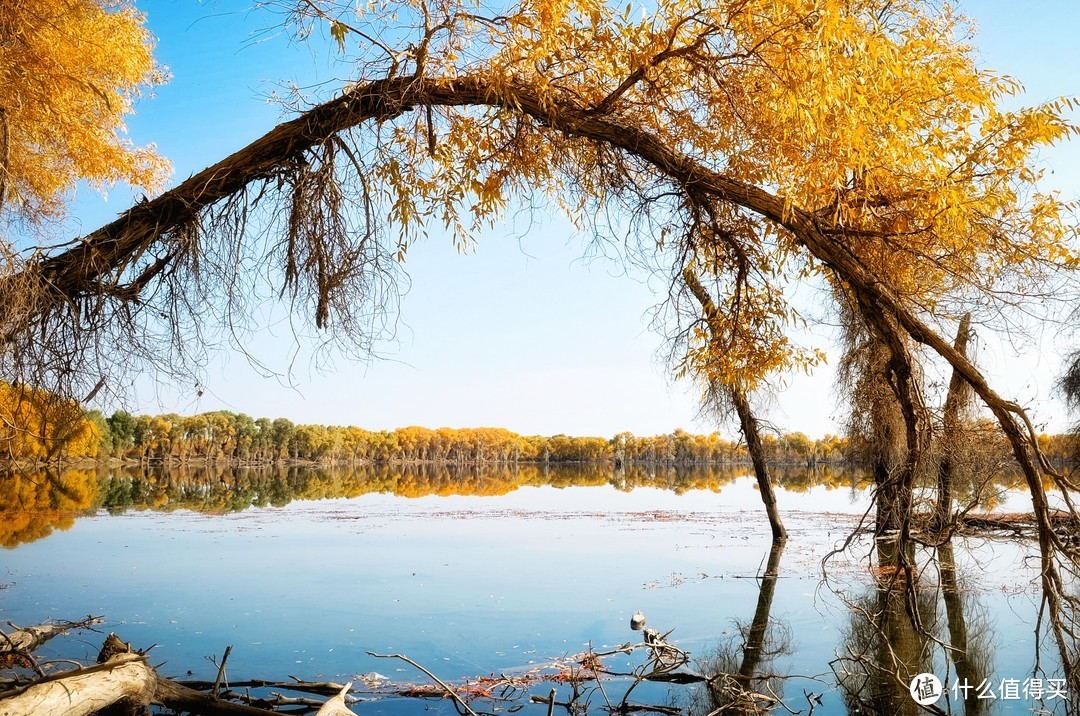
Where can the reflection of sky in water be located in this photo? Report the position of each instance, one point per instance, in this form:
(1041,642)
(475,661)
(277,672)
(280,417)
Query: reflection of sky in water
(470,585)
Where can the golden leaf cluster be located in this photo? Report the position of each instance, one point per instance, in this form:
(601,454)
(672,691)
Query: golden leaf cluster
(70,70)
(36,425)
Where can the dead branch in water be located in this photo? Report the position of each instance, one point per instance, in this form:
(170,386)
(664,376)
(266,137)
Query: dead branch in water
(122,680)
(123,677)
(449,691)
(29,639)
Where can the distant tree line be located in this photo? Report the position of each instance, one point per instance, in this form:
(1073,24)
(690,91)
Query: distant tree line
(35,426)
(236,437)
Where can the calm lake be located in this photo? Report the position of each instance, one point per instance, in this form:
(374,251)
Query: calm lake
(506,572)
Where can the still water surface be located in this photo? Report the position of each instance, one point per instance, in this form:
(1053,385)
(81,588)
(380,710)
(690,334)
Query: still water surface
(509,576)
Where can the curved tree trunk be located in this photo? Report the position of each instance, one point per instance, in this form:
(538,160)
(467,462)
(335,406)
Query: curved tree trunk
(114,264)
(92,267)
(748,423)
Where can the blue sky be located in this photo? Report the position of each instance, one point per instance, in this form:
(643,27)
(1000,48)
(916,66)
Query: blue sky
(523,332)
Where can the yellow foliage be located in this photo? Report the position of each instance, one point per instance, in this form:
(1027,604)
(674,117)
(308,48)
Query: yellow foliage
(69,72)
(35,425)
(871,116)
(33,504)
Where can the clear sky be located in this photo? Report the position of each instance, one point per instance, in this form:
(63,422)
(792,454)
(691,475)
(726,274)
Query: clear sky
(523,332)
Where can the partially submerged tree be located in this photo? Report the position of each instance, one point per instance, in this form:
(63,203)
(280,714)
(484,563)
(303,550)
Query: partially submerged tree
(760,142)
(727,397)
(950,460)
(877,427)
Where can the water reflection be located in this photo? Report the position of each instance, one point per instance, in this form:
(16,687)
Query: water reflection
(739,673)
(34,503)
(476,595)
(969,627)
(897,631)
(883,646)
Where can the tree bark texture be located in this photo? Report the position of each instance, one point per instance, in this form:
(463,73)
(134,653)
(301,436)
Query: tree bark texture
(950,430)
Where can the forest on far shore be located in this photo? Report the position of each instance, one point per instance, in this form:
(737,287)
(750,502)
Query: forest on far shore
(35,426)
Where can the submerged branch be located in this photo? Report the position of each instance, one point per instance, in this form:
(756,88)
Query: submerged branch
(449,691)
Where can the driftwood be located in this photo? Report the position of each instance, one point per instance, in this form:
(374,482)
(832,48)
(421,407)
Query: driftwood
(124,678)
(449,691)
(84,691)
(336,706)
(123,682)
(28,639)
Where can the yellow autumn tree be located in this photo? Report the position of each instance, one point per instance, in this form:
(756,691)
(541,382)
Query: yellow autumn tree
(37,425)
(750,143)
(868,122)
(70,70)
(754,142)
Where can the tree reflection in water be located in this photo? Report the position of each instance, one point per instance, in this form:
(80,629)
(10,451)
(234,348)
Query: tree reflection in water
(35,502)
(905,623)
(887,643)
(738,682)
(883,647)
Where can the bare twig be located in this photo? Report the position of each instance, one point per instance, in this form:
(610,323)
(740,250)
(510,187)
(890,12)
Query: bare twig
(221,670)
(450,692)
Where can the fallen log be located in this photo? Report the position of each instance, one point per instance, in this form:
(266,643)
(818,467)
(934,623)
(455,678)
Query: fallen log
(126,679)
(1018,523)
(27,639)
(336,705)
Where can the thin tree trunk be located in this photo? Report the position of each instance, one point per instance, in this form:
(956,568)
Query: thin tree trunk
(752,434)
(747,422)
(950,431)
